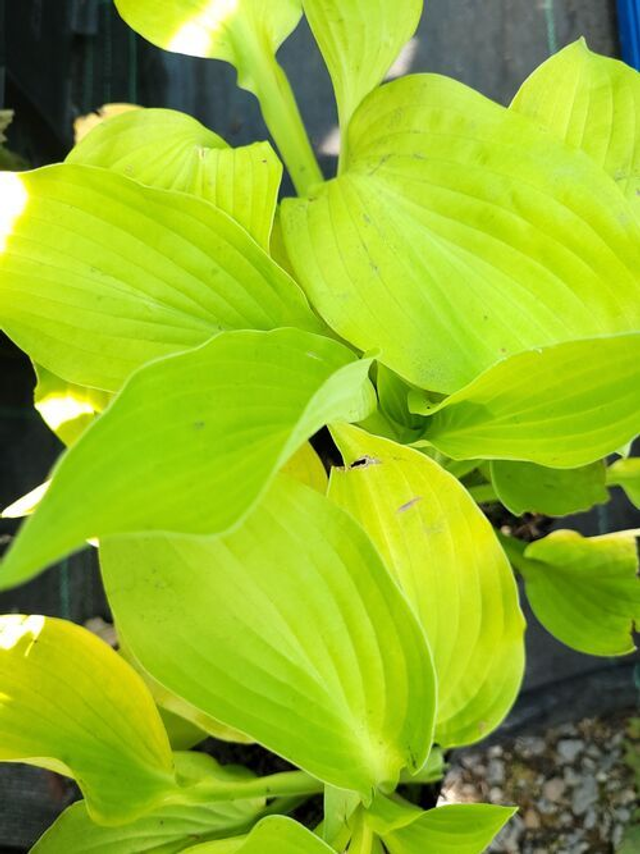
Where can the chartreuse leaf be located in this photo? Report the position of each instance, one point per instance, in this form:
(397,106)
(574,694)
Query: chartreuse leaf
(306,466)
(359,40)
(562,406)
(455,829)
(530,488)
(315,654)
(460,233)
(441,549)
(67,409)
(591,102)
(192,441)
(70,704)
(166,830)
(273,835)
(99,274)
(172,151)
(626,473)
(584,590)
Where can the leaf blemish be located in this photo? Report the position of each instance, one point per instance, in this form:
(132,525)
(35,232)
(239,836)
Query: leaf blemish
(409,504)
(365,462)
(198,425)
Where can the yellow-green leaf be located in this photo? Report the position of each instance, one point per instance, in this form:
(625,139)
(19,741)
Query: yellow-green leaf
(626,473)
(99,274)
(67,409)
(192,441)
(306,466)
(167,830)
(585,590)
(172,151)
(591,102)
(562,406)
(69,703)
(313,652)
(273,835)
(459,233)
(530,488)
(443,552)
(359,40)
(454,829)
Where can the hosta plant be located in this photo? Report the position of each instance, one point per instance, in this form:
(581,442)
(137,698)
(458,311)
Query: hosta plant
(459,306)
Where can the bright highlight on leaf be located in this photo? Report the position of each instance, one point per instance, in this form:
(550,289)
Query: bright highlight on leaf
(313,651)
(459,233)
(585,590)
(70,704)
(14,197)
(591,102)
(360,39)
(441,549)
(172,151)
(192,442)
(67,409)
(100,275)
(562,406)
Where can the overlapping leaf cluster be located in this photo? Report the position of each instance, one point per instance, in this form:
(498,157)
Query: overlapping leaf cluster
(460,306)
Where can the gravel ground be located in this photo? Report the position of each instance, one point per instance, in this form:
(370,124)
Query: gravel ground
(576,786)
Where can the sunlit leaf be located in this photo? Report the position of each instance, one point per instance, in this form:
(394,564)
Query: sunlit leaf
(167,830)
(26,504)
(313,651)
(67,409)
(192,441)
(563,406)
(455,829)
(69,703)
(273,835)
(459,233)
(172,151)
(529,488)
(83,125)
(359,40)
(585,590)
(626,473)
(306,466)
(99,274)
(591,102)
(230,30)
(444,554)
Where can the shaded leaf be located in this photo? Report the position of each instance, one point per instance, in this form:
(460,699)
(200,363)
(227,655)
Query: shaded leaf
(166,830)
(314,652)
(306,466)
(585,590)
(69,703)
(459,233)
(99,274)
(442,550)
(529,488)
(563,406)
(360,40)
(172,151)
(626,473)
(192,441)
(455,829)
(591,102)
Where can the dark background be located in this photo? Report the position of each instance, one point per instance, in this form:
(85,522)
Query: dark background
(64,58)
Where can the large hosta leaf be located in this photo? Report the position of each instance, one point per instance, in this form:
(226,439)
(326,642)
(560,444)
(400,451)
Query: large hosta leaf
(69,703)
(230,30)
(585,590)
(359,40)
(460,233)
(444,554)
(274,835)
(167,830)
(626,473)
(312,649)
(562,406)
(455,829)
(592,102)
(172,151)
(99,274)
(529,488)
(192,441)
